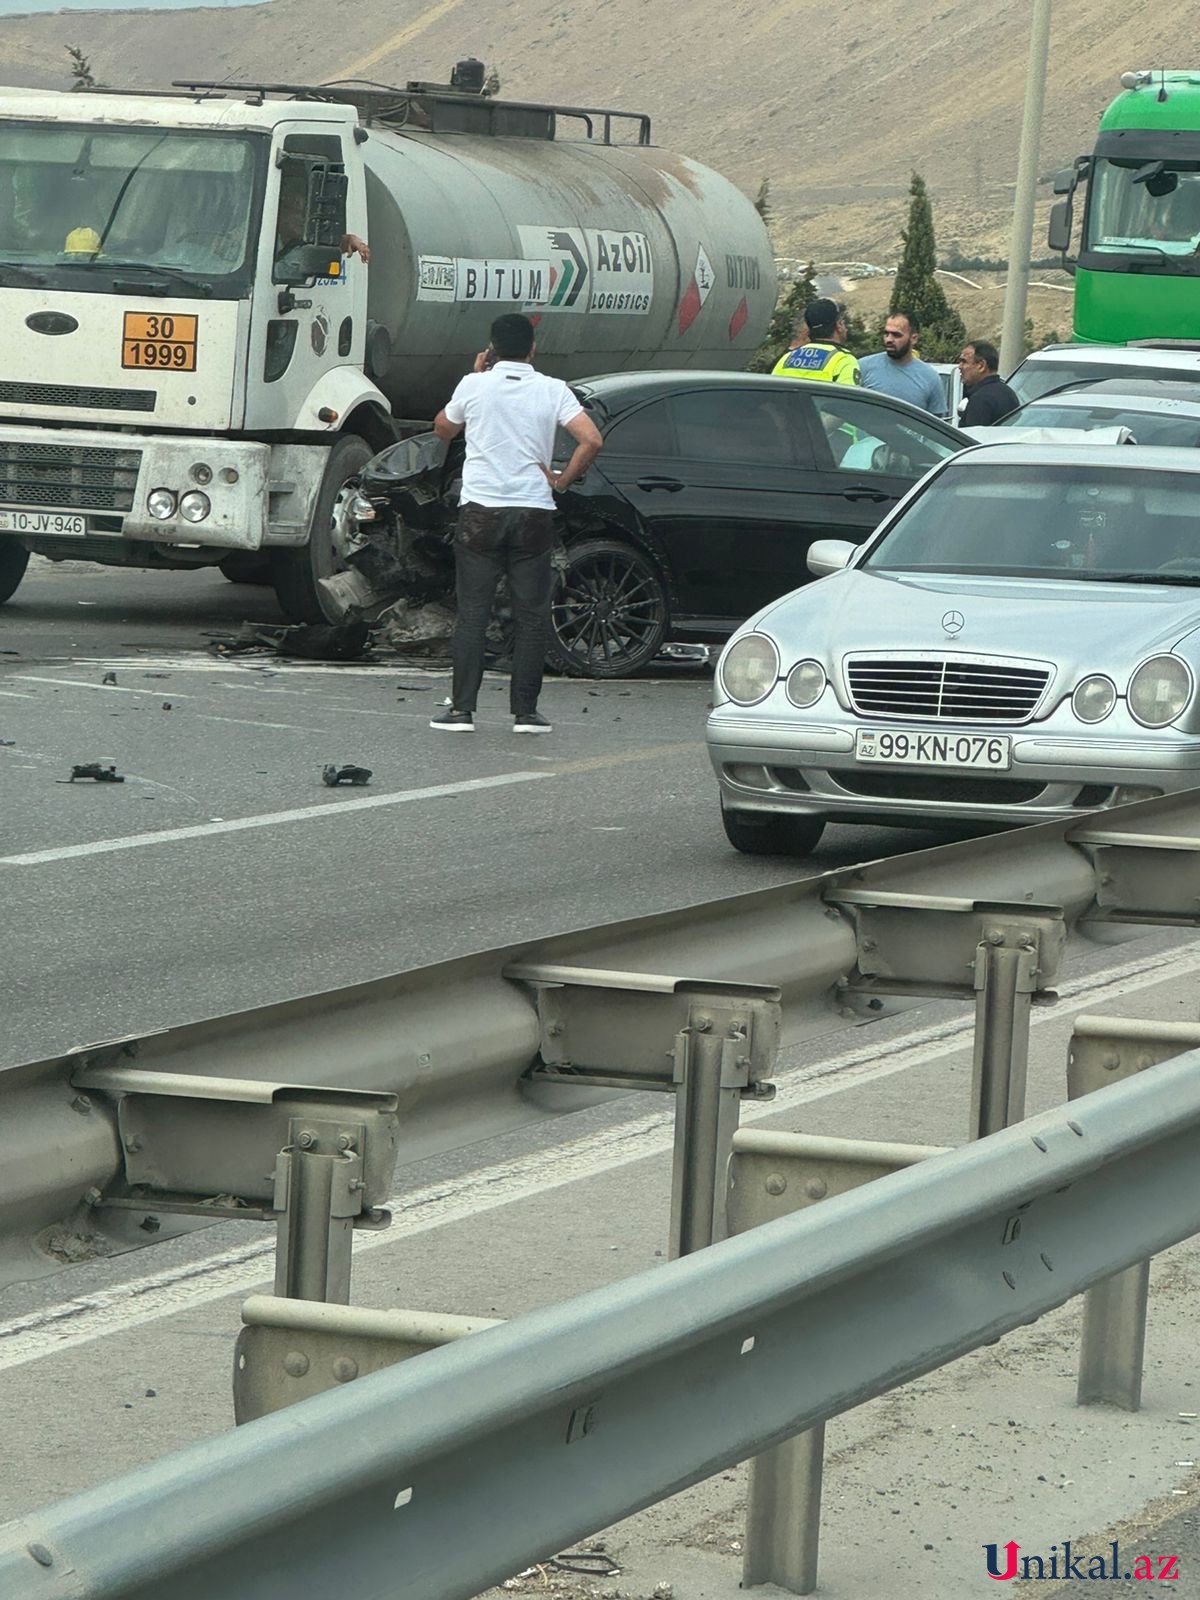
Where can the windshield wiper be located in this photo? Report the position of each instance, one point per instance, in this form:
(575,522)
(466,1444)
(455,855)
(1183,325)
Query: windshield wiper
(169,275)
(1187,579)
(10,269)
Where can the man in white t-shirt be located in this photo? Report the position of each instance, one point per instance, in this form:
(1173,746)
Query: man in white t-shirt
(506,517)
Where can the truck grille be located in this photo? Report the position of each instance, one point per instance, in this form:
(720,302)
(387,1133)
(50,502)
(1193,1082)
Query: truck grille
(64,394)
(68,477)
(946,688)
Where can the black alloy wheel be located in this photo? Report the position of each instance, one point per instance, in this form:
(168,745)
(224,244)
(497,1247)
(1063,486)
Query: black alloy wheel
(608,610)
(765,833)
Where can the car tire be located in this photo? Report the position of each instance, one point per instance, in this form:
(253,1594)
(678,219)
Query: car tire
(609,611)
(296,573)
(247,566)
(14,558)
(763,833)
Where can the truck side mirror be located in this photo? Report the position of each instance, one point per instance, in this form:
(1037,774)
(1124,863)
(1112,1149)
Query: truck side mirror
(1064,180)
(1058,236)
(325,206)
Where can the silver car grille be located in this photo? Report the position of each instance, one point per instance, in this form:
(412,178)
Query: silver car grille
(946,688)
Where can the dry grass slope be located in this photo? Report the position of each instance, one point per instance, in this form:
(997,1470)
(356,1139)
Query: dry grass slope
(835,108)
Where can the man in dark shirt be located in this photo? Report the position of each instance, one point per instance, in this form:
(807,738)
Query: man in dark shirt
(988,396)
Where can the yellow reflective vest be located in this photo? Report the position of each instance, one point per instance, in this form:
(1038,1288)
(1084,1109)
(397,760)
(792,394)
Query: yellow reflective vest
(819,363)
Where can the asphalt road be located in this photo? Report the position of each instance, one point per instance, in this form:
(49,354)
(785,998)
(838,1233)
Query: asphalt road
(468,842)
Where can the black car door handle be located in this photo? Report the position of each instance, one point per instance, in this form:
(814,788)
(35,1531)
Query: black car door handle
(860,491)
(671,485)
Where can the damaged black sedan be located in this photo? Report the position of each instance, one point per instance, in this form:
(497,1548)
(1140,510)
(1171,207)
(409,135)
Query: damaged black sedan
(701,509)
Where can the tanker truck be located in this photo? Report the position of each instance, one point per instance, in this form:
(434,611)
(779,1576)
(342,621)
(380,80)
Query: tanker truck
(192,368)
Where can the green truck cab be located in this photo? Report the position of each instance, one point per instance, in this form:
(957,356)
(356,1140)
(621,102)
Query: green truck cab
(1137,272)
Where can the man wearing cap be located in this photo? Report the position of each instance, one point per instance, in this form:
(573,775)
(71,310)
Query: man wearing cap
(822,358)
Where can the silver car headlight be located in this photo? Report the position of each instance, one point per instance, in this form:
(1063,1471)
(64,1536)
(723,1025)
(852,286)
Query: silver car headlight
(750,668)
(1159,691)
(1094,698)
(806,684)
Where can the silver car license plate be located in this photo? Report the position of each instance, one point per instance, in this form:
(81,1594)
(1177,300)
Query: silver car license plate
(894,747)
(42,522)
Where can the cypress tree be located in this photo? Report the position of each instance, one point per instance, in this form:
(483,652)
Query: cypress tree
(917,290)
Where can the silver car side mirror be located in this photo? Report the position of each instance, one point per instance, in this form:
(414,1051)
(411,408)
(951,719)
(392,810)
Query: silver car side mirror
(829,555)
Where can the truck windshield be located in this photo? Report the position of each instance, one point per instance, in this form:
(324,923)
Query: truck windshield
(1149,208)
(77,202)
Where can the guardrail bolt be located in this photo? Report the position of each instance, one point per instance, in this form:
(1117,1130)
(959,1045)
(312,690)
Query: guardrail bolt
(133,1144)
(1110,1061)
(92,1197)
(870,944)
(816,1188)
(82,1104)
(345,1370)
(703,1024)
(556,1030)
(1028,942)
(994,936)
(776,1183)
(295,1363)
(345,1142)
(306,1140)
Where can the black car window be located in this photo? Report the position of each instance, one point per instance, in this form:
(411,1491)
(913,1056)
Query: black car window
(735,425)
(868,440)
(644,432)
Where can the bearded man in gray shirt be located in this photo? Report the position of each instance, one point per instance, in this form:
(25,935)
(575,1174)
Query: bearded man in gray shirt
(897,370)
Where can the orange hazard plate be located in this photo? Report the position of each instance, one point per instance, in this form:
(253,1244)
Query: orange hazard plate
(160,340)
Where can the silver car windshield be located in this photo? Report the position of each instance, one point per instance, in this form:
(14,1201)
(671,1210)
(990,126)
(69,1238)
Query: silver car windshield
(1147,427)
(76,200)
(1093,524)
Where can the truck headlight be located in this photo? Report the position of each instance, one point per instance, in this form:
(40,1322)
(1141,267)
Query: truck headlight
(161,503)
(1159,691)
(1094,698)
(195,506)
(749,670)
(806,684)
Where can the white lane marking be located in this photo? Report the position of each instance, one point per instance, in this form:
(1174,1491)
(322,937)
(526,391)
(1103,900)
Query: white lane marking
(253,722)
(162,1294)
(78,683)
(268,819)
(15,694)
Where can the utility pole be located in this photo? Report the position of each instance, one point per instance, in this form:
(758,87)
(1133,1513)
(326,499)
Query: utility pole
(1017,293)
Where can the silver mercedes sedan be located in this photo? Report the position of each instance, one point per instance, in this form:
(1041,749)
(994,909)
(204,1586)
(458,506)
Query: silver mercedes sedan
(1019,641)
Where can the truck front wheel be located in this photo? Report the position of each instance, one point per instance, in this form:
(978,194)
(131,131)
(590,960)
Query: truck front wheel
(295,573)
(14,558)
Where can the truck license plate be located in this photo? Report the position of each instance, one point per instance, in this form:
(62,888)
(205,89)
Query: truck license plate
(896,748)
(42,522)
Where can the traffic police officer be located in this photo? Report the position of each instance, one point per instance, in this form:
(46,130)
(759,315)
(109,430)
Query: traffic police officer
(821,359)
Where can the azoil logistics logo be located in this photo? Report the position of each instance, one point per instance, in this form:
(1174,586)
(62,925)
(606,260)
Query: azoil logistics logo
(1004,1562)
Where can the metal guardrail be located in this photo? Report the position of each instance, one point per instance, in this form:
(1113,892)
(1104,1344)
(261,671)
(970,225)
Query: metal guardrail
(449,1473)
(487,1043)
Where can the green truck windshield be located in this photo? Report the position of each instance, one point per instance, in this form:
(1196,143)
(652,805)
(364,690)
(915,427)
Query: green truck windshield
(1152,208)
(77,197)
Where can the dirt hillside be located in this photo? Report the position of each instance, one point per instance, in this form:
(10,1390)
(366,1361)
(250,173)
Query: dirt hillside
(836,108)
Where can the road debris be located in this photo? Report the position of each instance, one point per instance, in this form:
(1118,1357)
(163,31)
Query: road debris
(305,641)
(332,775)
(95,770)
(109,678)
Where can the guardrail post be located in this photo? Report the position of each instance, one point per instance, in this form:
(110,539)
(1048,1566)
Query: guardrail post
(770,1175)
(1112,1351)
(318,1180)
(1006,976)
(712,1067)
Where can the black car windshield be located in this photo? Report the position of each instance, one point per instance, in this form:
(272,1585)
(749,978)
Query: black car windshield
(79,202)
(1105,524)
(1147,427)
